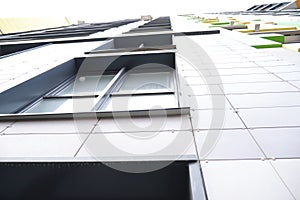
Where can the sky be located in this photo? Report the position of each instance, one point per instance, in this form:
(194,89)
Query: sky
(107,10)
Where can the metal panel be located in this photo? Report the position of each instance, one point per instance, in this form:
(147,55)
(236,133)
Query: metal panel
(265,100)
(150,123)
(87,115)
(137,146)
(107,45)
(196,182)
(42,147)
(52,126)
(281,69)
(278,142)
(146,40)
(190,72)
(246,88)
(238,71)
(292,76)
(202,89)
(5,50)
(226,60)
(115,63)
(4,125)
(271,117)
(235,65)
(231,144)
(273,63)
(253,78)
(288,170)
(245,180)
(206,102)
(204,119)
(295,83)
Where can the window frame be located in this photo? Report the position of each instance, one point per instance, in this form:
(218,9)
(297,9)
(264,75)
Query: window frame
(112,89)
(170,90)
(53,94)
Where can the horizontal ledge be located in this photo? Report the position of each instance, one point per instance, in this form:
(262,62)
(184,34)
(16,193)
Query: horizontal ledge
(97,115)
(125,53)
(70,96)
(94,39)
(283,32)
(118,94)
(190,33)
(150,48)
(97,160)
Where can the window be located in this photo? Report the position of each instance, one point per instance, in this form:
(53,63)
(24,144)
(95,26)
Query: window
(74,86)
(144,89)
(86,85)
(134,89)
(82,91)
(146,81)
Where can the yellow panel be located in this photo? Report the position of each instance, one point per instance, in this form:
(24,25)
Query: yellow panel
(244,22)
(294,46)
(245,30)
(12,25)
(278,29)
(298,3)
(274,28)
(210,21)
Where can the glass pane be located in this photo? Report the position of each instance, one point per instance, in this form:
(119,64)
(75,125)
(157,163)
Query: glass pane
(86,85)
(63,105)
(147,81)
(143,102)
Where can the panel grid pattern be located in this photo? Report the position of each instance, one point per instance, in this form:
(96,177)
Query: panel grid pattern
(253,154)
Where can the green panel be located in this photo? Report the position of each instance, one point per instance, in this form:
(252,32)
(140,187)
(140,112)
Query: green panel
(264,46)
(278,38)
(215,26)
(220,23)
(227,25)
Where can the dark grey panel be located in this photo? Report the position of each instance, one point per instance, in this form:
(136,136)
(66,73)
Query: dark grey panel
(191,33)
(147,40)
(90,181)
(108,45)
(23,94)
(115,63)
(13,48)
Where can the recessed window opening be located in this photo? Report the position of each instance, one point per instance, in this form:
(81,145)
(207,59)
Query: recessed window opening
(89,92)
(277,6)
(78,94)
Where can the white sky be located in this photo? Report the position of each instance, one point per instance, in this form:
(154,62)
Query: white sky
(106,10)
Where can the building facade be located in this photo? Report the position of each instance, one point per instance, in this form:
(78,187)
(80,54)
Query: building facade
(162,109)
